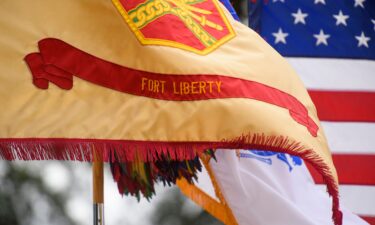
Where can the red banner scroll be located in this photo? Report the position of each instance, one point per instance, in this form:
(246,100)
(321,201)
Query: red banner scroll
(58,61)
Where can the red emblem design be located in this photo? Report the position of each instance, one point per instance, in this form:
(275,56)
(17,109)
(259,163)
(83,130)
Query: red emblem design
(199,26)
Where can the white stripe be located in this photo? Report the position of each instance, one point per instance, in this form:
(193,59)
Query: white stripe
(350,137)
(335,74)
(358,199)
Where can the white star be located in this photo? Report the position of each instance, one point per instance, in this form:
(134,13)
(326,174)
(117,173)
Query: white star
(373,22)
(362,40)
(280,36)
(359,3)
(341,18)
(278,1)
(320,1)
(321,38)
(299,17)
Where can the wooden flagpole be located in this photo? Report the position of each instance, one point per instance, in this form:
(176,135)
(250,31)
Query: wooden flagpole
(98,192)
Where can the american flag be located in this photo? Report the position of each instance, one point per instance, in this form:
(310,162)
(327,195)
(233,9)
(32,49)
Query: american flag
(331,45)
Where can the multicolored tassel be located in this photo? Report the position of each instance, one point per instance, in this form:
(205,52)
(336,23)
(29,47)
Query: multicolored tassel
(137,178)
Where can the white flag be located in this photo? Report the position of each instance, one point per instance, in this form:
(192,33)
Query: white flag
(263,188)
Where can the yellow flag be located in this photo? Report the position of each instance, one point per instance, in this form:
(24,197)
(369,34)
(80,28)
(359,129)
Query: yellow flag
(146,77)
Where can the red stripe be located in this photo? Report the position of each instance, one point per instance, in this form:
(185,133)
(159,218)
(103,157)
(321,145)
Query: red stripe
(344,105)
(351,169)
(369,219)
(58,61)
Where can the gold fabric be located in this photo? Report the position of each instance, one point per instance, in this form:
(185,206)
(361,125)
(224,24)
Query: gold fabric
(93,112)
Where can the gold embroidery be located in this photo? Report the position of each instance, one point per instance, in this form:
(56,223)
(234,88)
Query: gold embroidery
(193,17)
(151,10)
(153,85)
(180,87)
(148,12)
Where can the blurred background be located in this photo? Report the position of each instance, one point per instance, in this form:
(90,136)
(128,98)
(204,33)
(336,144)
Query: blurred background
(59,193)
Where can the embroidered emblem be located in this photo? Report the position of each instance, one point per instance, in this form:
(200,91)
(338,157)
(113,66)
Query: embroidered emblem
(266,157)
(198,26)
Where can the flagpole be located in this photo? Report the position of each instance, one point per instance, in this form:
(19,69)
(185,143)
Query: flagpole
(98,192)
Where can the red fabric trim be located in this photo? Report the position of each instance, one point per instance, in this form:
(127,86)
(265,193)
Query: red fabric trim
(84,149)
(71,148)
(344,106)
(352,169)
(369,219)
(58,61)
